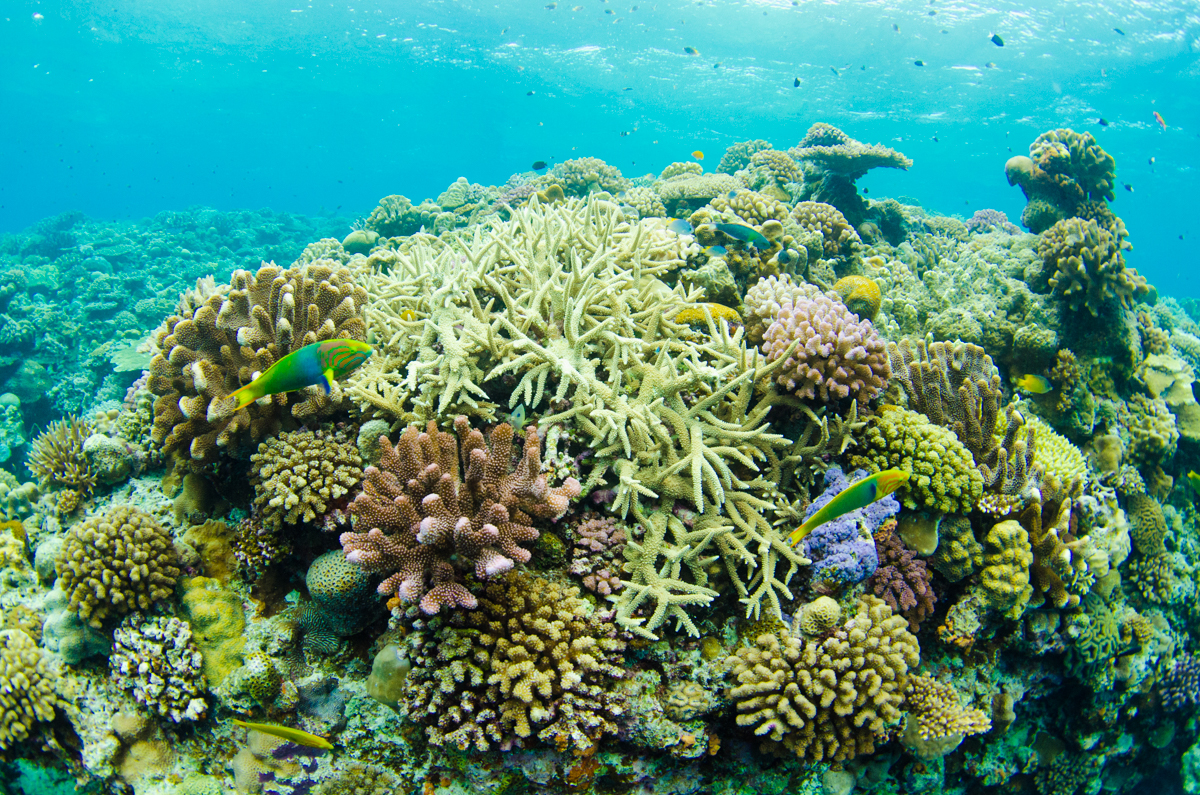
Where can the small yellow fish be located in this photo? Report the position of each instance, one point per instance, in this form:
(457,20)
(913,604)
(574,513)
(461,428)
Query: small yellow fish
(1194,479)
(698,155)
(408,314)
(1035,384)
(297,736)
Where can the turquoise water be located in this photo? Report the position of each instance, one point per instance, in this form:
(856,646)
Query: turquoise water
(693,454)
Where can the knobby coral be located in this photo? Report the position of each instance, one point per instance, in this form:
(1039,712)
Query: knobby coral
(301,475)
(27,697)
(423,521)
(157,661)
(1088,267)
(902,580)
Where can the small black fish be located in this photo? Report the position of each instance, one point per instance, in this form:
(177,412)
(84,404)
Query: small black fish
(551,6)
(796,83)
(999,42)
(918,63)
(627,88)
(835,71)
(530,93)
(539,165)
(608,10)
(1181,237)
(1103,121)
(866,190)
(1118,30)
(932,14)
(624,133)
(896,27)
(862,68)
(691,51)
(717,65)
(1128,187)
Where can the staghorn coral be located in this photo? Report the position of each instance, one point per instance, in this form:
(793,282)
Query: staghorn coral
(943,477)
(839,356)
(1087,267)
(56,457)
(301,475)
(533,658)
(28,696)
(1006,560)
(826,699)
(840,238)
(584,175)
(115,563)
(156,660)
(902,580)
(204,358)
(937,721)
(831,161)
(423,521)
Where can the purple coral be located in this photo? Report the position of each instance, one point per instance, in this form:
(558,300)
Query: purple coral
(843,550)
(838,356)
(597,542)
(902,580)
(991,220)
(1180,687)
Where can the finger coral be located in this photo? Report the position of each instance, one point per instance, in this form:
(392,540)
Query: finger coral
(1087,266)
(533,658)
(204,358)
(829,699)
(301,475)
(584,175)
(840,238)
(115,563)
(419,520)
(27,697)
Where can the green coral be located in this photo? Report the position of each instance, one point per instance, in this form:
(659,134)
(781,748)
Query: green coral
(943,476)
(301,475)
(1081,167)
(1088,267)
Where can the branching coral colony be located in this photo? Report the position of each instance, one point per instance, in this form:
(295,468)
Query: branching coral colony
(563,487)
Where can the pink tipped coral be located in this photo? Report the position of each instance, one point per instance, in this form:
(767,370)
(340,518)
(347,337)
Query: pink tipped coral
(422,519)
(838,356)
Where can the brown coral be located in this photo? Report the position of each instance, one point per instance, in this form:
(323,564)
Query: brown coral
(840,238)
(1088,267)
(27,696)
(204,358)
(423,521)
(299,476)
(56,457)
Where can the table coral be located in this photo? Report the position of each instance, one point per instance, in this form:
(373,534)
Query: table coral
(115,563)
(155,659)
(943,475)
(28,696)
(533,658)
(423,520)
(826,699)
(204,358)
(832,161)
(1087,267)
(902,580)
(839,356)
(300,475)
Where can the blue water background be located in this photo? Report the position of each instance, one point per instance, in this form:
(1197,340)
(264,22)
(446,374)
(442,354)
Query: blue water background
(125,108)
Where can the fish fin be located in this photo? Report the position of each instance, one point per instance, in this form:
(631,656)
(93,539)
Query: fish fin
(327,381)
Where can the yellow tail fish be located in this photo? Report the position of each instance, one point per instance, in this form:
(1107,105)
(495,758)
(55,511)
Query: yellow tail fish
(855,496)
(318,364)
(1035,384)
(297,736)
(1194,479)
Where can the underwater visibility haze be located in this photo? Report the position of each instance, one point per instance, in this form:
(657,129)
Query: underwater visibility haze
(600,396)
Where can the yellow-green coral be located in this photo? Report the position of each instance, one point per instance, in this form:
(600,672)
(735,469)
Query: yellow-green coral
(1006,560)
(696,314)
(1088,265)
(27,696)
(937,721)
(840,237)
(299,476)
(56,456)
(943,474)
(116,563)
(860,295)
(958,553)
(829,699)
(752,207)
(1055,454)
(218,625)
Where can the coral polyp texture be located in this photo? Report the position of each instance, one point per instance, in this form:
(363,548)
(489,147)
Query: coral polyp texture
(203,358)
(830,699)
(301,475)
(116,563)
(27,697)
(419,521)
(534,660)
(155,659)
(837,356)
(56,456)
(1088,267)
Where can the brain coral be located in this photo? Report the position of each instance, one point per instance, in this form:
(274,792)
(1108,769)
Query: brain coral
(827,699)
(839,356)
(116,563)
(423,520)
(1088,265)
(534,657)
(202,359)
(28,696)
(301,475)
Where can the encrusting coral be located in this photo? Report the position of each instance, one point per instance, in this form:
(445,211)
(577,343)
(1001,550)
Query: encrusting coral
(203,358)
(533,658)
(116,563)
(419,521)
(301,475)
(827,699)
(28,696)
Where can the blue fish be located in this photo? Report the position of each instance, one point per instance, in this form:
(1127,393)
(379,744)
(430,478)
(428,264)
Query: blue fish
(786,257)
(716,251)
(680,226)
(745,234)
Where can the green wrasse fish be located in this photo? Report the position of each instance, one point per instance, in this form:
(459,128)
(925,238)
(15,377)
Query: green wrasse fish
(319,364)
(297,736)
(855,496)
(1034,383)
(745,234)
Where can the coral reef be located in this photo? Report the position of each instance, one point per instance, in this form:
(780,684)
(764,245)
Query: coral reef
(1086,266)
(56,457)
(302,475)
(902,580)
(831,161)
(28,696)
(155,659)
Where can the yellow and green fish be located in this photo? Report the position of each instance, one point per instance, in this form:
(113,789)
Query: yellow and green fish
(1034,384)
(298,736)
(318,364)
(1194,479)
(855,496)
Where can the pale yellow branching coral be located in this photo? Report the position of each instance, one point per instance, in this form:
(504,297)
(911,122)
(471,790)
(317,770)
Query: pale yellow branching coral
(937,722)
(1006,560)
(27,696)
(299,476)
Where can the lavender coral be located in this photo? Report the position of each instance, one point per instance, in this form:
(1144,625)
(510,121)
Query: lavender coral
(597,542)
(423,520)
(902,580)
(842,550)
(839,356)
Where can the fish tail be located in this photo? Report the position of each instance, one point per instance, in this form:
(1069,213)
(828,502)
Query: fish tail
(798,534)
(244,396)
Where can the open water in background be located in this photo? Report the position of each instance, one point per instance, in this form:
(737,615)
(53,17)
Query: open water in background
(125,108)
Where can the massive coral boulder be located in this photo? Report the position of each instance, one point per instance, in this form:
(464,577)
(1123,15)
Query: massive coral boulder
(419,522)
(1064,170)
(205,356)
